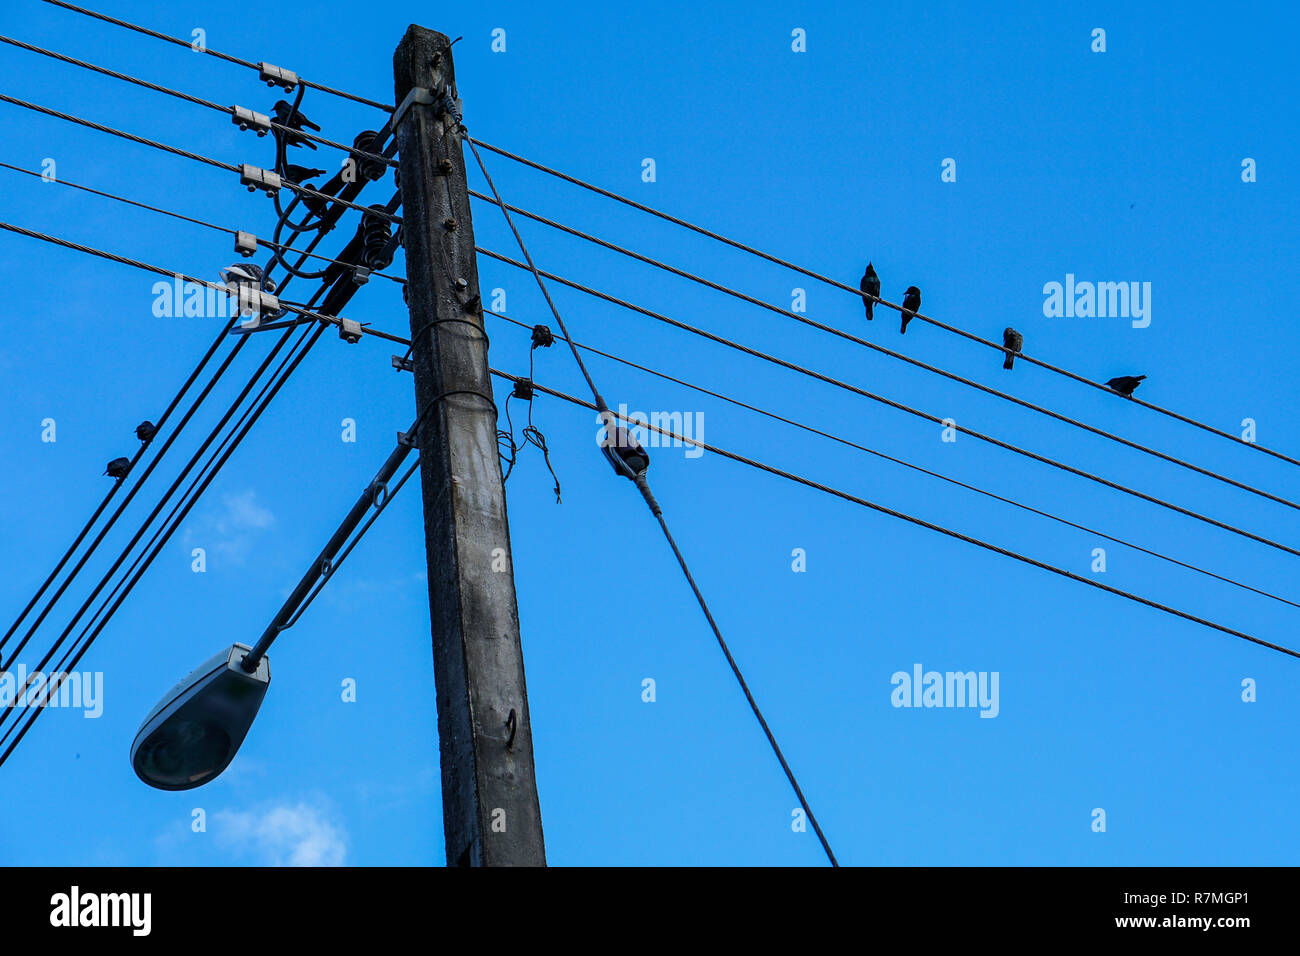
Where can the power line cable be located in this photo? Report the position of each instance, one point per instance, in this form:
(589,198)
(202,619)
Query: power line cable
(196,100)
(857,340)
(198,222)
(906,464)
(614,300)
(1020,356)
(158,270)
(917,521)
(205,49)
(134,580)
(643,485)
(186,154)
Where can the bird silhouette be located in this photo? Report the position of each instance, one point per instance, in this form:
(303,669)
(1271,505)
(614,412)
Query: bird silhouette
(146,430)
(1125,384)
(300,174)
(117,468)
(911,304)
(870,286)
(1013,342)
(286,115)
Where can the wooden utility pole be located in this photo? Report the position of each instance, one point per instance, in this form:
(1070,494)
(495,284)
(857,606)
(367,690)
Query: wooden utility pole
(490,810)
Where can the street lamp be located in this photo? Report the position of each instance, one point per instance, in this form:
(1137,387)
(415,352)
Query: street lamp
(195,730)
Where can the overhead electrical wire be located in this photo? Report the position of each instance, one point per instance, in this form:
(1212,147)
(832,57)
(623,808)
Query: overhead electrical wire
(614,300)
(159,425)
(196,100)
(295,354)
(69,665)
(818,486)
(857,340)
(100,618)
(158,270)
(210,52)
(642,484)
(1020,356)
(186,154)
(907,464)
(198,222)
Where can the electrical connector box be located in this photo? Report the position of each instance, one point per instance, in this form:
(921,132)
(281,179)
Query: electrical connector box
(247,119)
(350,331)
(245,243)
(255,178)
(278,76)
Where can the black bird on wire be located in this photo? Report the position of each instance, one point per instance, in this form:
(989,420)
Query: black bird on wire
(1013,342)
(286,115)
(117,468)
(911,305)
(870,286)
(146,430)
(301,174)
(1125,384)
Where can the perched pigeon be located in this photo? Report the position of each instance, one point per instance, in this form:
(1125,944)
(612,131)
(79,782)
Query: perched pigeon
(911,305)
(286,115)
(870,286)
(300,174)
(247,273)
(1013,342)
(117,468)
(146,430)
(1125,384)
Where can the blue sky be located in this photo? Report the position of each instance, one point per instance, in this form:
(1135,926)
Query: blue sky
(1115,166)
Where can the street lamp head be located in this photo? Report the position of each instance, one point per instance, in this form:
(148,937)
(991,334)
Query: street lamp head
(196,729)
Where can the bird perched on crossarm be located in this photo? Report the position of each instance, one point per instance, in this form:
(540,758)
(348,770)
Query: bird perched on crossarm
(286,115)
(1125,384)
(911,305)
(117,468)
(870,286)
(1013,342)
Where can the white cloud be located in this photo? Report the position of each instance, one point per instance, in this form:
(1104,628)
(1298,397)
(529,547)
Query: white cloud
(301,834)
(229,530)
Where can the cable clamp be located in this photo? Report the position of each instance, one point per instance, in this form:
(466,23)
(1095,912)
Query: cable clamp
(406,439)
(403,364)
(523,389)
(245,243)
(255,303)
(360,275)
(247,119)
(255,178)
(350,331)
(278,76)
(417,95)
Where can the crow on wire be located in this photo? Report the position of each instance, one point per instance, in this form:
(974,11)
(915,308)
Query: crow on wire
(870,286)
(1013,342)
(1125,384)
(911,305)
